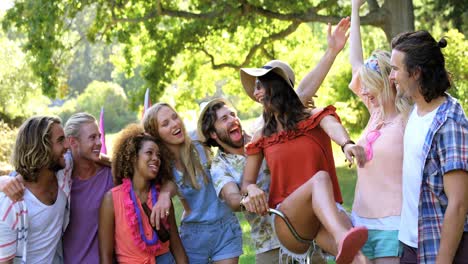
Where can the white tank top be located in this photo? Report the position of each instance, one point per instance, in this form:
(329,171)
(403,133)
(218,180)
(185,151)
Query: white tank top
(45,227)
(413,164)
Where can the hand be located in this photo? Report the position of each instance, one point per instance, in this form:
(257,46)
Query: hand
(352,151)
(13,187)
(337,40)
(161,209)
(104,160)
(357,3)
(256,200)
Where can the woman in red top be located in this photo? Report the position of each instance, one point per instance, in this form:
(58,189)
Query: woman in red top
(295,142)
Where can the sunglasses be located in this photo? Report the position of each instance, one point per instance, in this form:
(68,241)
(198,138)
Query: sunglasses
(371,137)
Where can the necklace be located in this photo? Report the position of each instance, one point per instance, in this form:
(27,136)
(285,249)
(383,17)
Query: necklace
(138,213)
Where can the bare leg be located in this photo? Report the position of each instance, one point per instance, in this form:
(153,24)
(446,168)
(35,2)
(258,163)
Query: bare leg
(387,260)
(312,210)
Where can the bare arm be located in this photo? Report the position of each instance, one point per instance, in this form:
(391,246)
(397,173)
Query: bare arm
(177,249)
(256,200)
(339,135)
(355,53)
(356,57)
(456,189)
(164,203)
(106,229)
(231,194)
(312,81)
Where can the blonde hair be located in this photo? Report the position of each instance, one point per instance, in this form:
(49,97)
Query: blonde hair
(377,81)
(73,125)
(33,147)
(189,156)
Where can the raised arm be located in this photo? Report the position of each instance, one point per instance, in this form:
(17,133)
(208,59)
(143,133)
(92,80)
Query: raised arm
(336,41)
(355,53)
(106,229)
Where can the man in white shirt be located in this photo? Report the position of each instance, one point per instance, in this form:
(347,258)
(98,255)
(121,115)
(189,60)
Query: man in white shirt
(30,230)
(434,217)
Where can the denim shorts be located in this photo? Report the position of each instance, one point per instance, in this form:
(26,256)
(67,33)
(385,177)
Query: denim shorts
(382,243)
(205,243)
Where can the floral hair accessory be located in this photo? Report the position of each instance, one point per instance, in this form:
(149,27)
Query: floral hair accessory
(373,64)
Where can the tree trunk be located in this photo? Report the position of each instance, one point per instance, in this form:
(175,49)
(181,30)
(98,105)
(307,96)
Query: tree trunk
(399,17)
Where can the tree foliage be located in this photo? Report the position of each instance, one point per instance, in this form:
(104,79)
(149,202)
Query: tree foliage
(97,95)
(164,29)
(190,51)
(18,85)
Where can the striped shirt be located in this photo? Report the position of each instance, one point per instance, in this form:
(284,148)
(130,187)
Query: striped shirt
(445,149)
(14,225)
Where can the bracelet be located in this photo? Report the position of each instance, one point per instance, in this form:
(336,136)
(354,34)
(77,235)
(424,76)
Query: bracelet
(241,203)
(349,141)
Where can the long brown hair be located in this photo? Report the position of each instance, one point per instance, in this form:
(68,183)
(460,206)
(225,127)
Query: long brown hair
(282,100)
(33,147)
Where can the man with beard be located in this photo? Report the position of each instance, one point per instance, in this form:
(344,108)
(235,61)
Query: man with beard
(30,230)
(219,126)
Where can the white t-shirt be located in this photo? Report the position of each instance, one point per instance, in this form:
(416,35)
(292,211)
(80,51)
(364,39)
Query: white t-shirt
(413,164)
(45,227)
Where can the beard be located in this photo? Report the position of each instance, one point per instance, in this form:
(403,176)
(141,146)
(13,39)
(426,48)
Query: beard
(55,165)
(226,139)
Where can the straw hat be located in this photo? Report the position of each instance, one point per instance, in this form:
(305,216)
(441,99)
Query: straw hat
(249,75)
(205,106)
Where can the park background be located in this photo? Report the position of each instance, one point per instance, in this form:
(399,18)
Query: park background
(65,56)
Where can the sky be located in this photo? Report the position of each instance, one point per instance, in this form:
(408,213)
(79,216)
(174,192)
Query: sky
(5,4)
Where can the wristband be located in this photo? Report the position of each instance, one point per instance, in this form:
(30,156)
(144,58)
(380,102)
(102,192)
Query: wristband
(349,141)
(241,203)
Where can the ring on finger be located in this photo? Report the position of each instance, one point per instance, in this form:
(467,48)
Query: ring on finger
(167,213)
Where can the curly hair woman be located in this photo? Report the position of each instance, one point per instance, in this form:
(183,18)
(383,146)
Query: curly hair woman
(139,166)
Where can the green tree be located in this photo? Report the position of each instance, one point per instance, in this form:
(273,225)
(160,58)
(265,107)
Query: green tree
(18,85)
(101,94)
(164,29)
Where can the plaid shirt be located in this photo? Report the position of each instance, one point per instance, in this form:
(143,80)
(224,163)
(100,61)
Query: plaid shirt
(445,149)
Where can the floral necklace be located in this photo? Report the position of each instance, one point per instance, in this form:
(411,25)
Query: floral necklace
(133,214)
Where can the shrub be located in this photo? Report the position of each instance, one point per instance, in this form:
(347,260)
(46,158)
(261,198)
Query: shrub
(7,141)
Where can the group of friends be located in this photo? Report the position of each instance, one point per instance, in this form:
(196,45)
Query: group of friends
(65,204)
